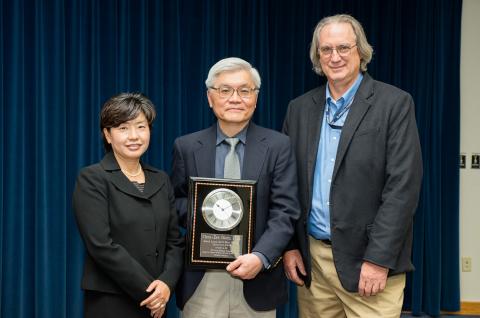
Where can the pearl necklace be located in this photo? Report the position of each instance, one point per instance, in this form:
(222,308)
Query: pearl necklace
(139,170)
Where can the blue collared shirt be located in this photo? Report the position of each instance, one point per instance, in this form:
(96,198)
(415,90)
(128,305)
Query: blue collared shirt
(319,218)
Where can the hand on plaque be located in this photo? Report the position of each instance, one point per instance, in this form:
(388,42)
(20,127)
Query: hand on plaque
(246,266)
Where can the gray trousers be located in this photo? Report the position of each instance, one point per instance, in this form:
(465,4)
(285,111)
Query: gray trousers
(219,295)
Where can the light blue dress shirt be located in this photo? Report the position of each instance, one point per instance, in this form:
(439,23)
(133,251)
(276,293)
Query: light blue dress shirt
(337,111)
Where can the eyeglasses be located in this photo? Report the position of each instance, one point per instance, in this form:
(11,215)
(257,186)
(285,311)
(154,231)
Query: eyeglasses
(226,91)
(342,50)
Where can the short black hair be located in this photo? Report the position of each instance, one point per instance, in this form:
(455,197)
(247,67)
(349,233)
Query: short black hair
(122,108)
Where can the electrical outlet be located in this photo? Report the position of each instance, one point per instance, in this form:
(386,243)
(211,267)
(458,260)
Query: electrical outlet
(463,160)
(466,264)
(475,161)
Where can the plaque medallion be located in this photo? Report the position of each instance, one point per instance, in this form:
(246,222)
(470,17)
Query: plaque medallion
(222,209)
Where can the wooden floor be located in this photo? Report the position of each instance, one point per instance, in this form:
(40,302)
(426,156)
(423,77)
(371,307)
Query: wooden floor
(441,316)
(467,310)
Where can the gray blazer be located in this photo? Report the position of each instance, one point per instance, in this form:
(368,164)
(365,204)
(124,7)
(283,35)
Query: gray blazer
(269,160)
(376,179)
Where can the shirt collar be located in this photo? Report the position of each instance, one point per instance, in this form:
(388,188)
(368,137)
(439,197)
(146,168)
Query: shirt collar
(349,94)
(242,135)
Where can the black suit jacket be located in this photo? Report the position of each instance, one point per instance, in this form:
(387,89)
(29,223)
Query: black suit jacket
(132,238)
(269,160)
(376,179)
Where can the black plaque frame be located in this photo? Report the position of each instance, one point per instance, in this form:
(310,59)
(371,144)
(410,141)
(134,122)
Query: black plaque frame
(197,227)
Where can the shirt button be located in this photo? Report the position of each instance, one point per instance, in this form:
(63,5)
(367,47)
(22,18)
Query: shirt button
(334,138)
(328,202)
(332,160)
(329,180)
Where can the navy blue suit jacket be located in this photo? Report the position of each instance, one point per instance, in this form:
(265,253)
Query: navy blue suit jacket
(268,159)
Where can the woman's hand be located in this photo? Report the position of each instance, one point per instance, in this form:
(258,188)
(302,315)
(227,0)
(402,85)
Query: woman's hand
(156,302)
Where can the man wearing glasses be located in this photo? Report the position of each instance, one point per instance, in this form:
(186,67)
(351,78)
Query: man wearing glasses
(254,284)
(359,173)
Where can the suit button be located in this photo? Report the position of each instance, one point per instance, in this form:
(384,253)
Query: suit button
(156,253)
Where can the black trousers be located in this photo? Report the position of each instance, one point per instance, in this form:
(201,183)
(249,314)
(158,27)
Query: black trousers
(107,305)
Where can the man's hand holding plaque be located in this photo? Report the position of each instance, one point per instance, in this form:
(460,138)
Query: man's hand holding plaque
(245,266)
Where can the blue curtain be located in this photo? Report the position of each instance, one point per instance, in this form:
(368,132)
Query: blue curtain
(60,60)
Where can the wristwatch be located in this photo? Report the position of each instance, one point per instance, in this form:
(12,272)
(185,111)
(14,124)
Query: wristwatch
(222,209)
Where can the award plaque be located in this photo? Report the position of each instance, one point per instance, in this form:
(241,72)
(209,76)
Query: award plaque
(221,221)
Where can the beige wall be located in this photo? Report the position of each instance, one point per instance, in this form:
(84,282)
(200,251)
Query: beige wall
(470,143)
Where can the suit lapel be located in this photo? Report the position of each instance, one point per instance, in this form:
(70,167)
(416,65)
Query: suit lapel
(122,183)
(255,152)
(205,153)
(357,111)
(314,125)
(152,184)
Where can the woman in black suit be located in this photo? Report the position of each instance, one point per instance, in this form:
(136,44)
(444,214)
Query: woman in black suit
(126,216)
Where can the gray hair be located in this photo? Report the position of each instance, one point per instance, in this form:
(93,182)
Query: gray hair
(365,50)
(229,65)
